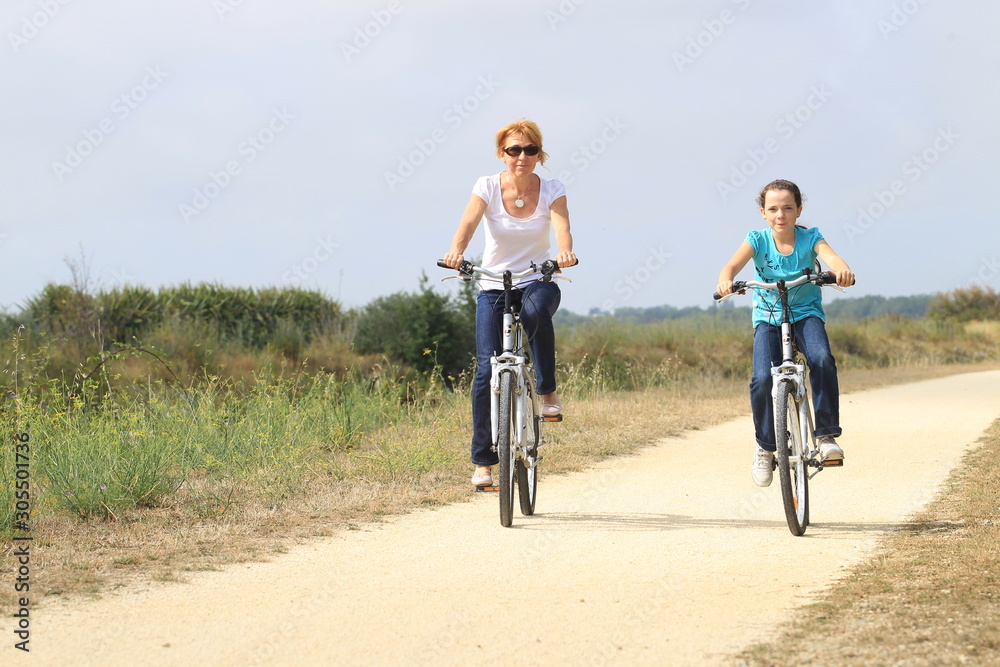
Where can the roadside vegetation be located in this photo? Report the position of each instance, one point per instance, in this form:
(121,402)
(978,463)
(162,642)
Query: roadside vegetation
(197,426)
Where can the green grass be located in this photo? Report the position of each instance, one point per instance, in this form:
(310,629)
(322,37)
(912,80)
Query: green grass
(107,441)
(256,438)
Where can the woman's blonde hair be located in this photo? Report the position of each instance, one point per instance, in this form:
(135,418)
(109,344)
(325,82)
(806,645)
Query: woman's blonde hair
(524,127)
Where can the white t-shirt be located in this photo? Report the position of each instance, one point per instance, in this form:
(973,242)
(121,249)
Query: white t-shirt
(514,243)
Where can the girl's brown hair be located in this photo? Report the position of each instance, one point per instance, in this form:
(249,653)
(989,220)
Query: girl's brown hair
(780,184)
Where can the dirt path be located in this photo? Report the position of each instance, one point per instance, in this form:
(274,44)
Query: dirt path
(669,557)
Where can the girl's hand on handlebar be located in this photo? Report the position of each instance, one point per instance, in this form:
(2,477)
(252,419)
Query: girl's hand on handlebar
(724,288)
(453,259)
(844,278)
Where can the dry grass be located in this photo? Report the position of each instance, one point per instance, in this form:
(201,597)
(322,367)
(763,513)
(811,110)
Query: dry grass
(929,596)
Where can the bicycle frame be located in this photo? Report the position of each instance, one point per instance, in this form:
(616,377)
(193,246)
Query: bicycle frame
(514,359)
(793,371)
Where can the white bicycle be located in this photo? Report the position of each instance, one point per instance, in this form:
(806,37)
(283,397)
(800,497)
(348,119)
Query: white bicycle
(515,406)
(796,450)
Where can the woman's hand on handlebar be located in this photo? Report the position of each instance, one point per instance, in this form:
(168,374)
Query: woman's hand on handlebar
(453,259)
(565,259)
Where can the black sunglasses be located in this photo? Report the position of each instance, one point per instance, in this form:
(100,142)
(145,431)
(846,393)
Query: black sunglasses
(514,151)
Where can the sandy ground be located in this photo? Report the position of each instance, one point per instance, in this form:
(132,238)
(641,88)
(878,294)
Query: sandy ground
(672,557)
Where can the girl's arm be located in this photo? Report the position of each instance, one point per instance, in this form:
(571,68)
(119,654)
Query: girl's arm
(743,255)
(564,239)
(466,229)
(845,278)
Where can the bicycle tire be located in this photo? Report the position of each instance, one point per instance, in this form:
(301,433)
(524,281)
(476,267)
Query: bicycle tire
(505,448)
(793,475)
(527,471)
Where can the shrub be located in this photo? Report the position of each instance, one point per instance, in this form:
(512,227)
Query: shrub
(422,329)
(966,305)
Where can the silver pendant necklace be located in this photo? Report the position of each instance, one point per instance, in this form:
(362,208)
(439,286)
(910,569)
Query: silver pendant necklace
(519,201)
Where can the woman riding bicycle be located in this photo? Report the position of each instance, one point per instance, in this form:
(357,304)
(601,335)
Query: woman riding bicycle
(520,209)
(781,252)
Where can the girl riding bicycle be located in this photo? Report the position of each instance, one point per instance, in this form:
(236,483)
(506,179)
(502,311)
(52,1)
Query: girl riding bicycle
(781,252)
(521,210)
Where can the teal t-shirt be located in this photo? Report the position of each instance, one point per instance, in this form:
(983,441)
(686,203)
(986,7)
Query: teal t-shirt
(771,266)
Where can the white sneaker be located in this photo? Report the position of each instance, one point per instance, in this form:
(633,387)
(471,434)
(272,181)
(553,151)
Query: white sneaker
(829,450)
(483,476)
(763,467)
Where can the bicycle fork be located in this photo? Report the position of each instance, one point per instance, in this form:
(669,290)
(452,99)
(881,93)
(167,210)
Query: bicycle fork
(793,374)
(524,429)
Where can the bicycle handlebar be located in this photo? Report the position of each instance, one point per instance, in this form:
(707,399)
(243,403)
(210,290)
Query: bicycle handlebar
(469,270)
(824,278)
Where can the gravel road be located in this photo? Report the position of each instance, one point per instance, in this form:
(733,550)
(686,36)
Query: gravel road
(671,556)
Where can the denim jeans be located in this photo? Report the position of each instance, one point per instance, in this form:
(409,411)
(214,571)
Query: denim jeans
(810,336)
(538,302)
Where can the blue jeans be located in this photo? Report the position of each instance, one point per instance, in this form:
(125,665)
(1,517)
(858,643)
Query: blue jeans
(810,336)
(539,302)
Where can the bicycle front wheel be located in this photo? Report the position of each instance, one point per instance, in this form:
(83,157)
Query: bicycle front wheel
(792,466)
(527,469)
(506,450)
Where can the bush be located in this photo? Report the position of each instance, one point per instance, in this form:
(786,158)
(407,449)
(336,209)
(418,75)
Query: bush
(966,305)
(422,329)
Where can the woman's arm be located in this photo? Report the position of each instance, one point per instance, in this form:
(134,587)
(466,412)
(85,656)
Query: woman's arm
(564,238)
(845,278)
(739,259)
(466,230)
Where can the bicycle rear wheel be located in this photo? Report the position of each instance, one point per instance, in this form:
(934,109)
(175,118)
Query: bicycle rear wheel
(792,467)
(527,471)
(505,448)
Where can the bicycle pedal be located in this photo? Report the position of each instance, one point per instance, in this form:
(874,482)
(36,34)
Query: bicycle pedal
(834,463)
(487,488)
(552,418)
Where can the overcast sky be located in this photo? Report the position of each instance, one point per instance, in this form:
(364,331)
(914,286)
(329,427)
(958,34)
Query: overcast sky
(334,145)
